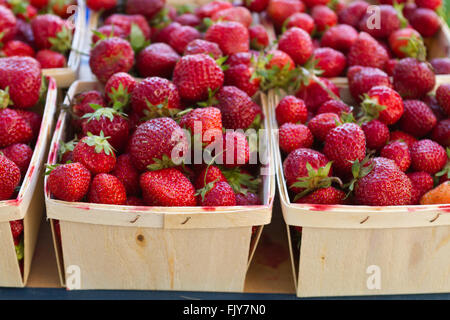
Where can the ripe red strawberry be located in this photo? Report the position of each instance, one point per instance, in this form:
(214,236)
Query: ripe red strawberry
(334,106)
(441,133)
(430,4)
(353,13)
(238,110)
(69,182)
(181,36)
(441,65)
(148,8)
(280,10)
(208,120)
(61,8)
(65,151)
(237,14)
(232,37)
(418,119)
(236,150)
(208,175)
(51,32)
(330,61)
(367,52)
(248,199)
(256,5)
(413,79)
(428,156)
(157,59)
(432,102)
(344,144)
(155,97)
(81,104)
(443,97)
(421,183)
(291,109)
(322,124)
(118,90)
(377,134)
(50,59)
(110,56)
(314,95)
(340,37)
(300,20)
(203,46)
(402,136)
(135,202)
(329,195)
(297,44)
(108,31)
(197,75)
(39,4)
(95,153)
(17,230)
(399,152)
(101,4)
(364,79)
(188,19)
(259,39)
(389,22)
(384,104)
(426,21)
(7,24)
(22,75)
(167,188)
(17,48)
(242,77)
(400,40)
(20,154)
(9,178)
(153,143)
(126,22)
(390,66)
(216,194)
(164,34)
(107,189)
(209,9)
(293,136)
(127,174)
(324,17)
(13,128)
(313,3)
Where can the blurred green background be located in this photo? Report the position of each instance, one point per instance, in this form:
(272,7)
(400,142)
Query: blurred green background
(447,11)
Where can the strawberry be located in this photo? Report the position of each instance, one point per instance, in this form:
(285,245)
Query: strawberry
(13,128)
(197,75)
(384,104)
(236,150)
(216,194)
(426,21)
(203,46)
(367,52)
(111,122)
(441,133)
(241,58)
(65,151)
(22,77)
(110,56)
(293,136)
(421,183)
(324,17)
(402,136)
(69,182)
(17,230)
(62,8)
(248,199)
(315,95)
(432,102)
(188,19)
(152,144)
(9,178)
(334,106)
(278,71)
(155,97)
(118,90)
(81,104)
(418,119)
(208,175)
(413,79)
(7,24)
(256,5)
(108,31)
(428,156)
(50,59)
(322,124)
(95,153)
(242,77)
(240,180)
(377,134)
(430,4)
(353,13)
(291,109)
(314,3)
(259,39)
(441,65)
(17,48)
(388,19)
(98,5)
(39,4)
(443,97)
(399,152)
(135,202)
(164,34)
(107,189)
(297,44)
(280,10)
(20,154)
(340,37)
(181,36)
(157,59)
(330,62)
(237,14)
(238,110)
(148,8)
(365,79)
(405,42)
(51,32)
(389,67)
(232,37)
(344,144)
(209,9)
(167,188)
(127,174)
(208,119)
(300,20)
(126,23)
(329,195)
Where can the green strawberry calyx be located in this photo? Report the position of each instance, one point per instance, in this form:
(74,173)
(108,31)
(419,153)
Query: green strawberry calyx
(20,250)
(137,38)
(5,99)
(50,167)
(62,41)
(67,147)
(102,112)
(159,110)
(119,97)
(211,101)
(241,182)
(203,191)
(18,6)
(100,143)
(399,8)
(414,48)
(360,169)
(446,170)
(163,163)
(274,77)
(370,108)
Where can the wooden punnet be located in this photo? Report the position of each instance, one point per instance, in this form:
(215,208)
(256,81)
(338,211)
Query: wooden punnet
(361,250)
(29,204)
(155,248)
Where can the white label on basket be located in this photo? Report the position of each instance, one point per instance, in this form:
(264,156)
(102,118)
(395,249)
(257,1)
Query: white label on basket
(73,277)
(374,280)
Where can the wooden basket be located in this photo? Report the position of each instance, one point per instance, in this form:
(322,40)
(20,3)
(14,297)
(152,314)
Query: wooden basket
(29,204)
(362,250)
(66,76)
(156,248)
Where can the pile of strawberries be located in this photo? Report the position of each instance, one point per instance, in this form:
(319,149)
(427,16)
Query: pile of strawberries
(38,29)
(21,88)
